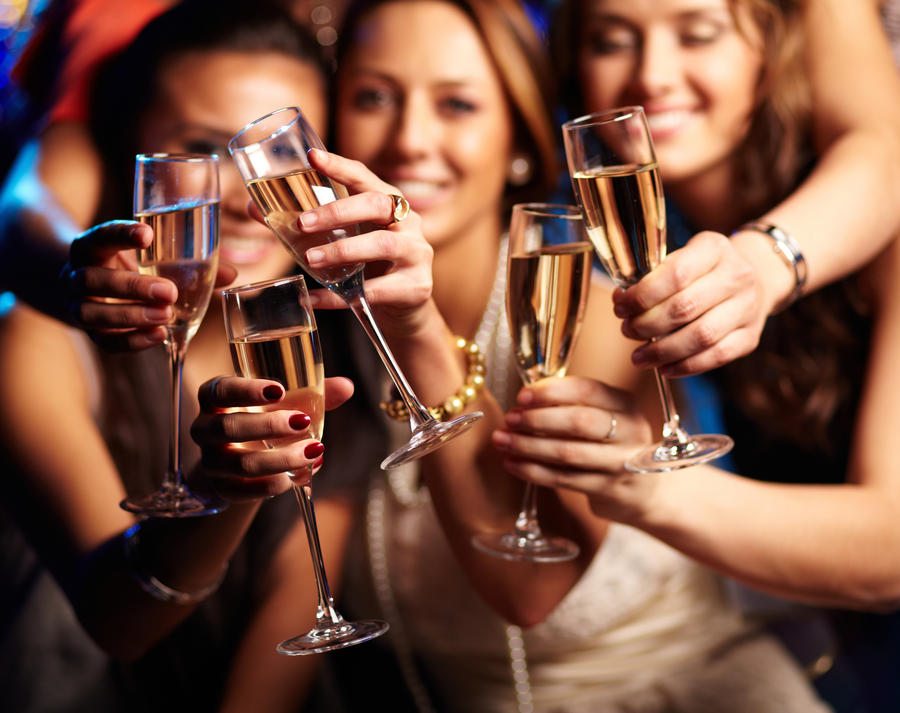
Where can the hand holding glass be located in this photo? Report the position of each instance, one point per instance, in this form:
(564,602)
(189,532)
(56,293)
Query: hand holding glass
(614,171)
(178,196)
(271,155)
(272,335)
(548,280)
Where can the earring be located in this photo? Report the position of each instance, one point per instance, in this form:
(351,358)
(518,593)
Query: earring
(520,170)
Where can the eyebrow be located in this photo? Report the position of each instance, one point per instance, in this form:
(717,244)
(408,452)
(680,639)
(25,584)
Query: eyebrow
(460,82)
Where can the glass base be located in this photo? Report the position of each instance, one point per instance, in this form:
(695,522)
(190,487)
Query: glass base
(659,458)
(430,437)
(173,502)
(526,549)
(317,641)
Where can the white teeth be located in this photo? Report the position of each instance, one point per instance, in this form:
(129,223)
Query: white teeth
(667,120)
(417,189)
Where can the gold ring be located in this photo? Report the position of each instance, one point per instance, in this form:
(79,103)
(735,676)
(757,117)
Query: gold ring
(612,427)
(401,208)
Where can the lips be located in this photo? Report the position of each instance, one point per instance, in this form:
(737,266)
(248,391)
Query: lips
(665,123)
(245,250)
(421,193)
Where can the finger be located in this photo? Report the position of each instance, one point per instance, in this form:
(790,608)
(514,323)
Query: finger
(239,488)
(118,315)
(225,275)
(573,390)
(737,344)
(105,240)
(95,281)
(680,268)
(337,390)
(704,294)
(370,207)
(563,452)
(131,340)
(240,460)
(355,175)
(575,422)
(702,334)
(369,247)
(235,392)
(549,476)
(245,426)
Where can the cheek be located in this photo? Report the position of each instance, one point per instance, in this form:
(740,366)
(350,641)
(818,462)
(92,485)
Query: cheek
(482,153)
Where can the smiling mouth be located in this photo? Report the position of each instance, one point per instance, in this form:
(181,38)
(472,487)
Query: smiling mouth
(245,249)
(667,122)
(419,190)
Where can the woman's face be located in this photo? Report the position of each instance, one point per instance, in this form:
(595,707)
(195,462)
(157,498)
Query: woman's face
(686,62)
(205,99)
(420,103)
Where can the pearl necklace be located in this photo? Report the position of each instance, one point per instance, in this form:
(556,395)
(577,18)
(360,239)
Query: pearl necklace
(494,339)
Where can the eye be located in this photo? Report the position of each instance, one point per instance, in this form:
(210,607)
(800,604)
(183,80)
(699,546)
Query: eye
(205,146)
(456,106)
(610,40)
(371,98)
(701,32)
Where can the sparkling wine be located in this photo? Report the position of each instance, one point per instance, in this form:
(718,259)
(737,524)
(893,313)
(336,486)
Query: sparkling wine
(194,278)
(293,358)
(545,302)
(625,218)
(282,198)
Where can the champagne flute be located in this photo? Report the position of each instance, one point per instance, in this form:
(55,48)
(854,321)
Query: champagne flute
(616,179)
(548,279)
(272,335)
(178,196)
(270,154)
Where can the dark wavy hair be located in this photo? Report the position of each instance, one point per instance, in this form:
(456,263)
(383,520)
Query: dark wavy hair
(522,63)
(127,84)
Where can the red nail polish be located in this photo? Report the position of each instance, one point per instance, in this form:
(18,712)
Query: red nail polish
(272,392)
(317,463)
(313,450)
(299,421)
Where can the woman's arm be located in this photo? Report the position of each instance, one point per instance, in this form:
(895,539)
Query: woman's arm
(64,490)
(841,216)
(831,545)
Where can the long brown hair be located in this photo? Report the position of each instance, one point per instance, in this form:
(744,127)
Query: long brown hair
(795,382)
(520,57)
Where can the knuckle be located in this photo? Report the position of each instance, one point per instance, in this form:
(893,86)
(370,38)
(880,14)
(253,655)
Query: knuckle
(583,423)
(568,452)
(706,336)
(681,275)
(683,308)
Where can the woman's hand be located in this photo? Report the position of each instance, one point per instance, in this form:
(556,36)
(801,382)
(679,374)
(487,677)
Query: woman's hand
(235,464)
(120,309)
(704,305)
(577,433)
(398,258)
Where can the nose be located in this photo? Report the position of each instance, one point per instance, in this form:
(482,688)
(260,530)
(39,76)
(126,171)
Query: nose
(416,130)
(659,64)
(234,196)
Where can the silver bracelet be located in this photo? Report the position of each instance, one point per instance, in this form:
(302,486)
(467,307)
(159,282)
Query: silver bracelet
(150,584)
(789,251)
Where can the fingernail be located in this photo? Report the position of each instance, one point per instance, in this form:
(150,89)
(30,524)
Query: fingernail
(314,257)
(160,315)
(308,220)
(299,421)
(313,450)
(157,336)
(272,392)
(501,439)
(317,463)
(160,291)
(525,397)
(514,418)
(639,357)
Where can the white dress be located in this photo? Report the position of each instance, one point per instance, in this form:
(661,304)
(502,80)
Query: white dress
(646,630)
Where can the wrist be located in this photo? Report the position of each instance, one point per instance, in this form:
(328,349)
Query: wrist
(777,260)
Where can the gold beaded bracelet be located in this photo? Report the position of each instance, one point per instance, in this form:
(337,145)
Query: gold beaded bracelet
(474,382)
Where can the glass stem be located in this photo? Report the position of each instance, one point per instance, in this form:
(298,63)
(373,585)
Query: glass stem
(326,615)
(526,521)
(673,435)
(353,293)
(177,346)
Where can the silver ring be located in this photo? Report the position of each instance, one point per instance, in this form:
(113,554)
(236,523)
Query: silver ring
(612,427)
(401,207)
